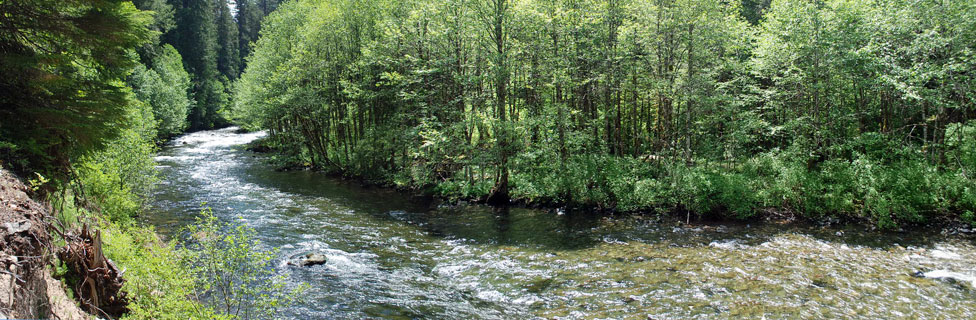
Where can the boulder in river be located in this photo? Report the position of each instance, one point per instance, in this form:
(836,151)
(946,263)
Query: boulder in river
(310,259)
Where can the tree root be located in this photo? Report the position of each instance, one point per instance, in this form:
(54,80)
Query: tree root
(99,282)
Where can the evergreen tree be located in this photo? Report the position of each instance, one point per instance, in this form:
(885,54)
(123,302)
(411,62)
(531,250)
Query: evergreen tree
(228,56)
(164,20)
(196,39)
(63,64)
(249,17)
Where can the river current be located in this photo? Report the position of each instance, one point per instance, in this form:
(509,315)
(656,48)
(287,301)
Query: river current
(393,256)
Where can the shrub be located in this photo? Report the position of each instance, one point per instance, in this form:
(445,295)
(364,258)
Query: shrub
(156,284)
(234,278)
(120,177)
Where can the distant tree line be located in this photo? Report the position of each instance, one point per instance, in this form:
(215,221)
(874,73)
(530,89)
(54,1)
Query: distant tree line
(213,43)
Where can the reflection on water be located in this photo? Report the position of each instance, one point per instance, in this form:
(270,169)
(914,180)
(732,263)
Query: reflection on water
(392,256)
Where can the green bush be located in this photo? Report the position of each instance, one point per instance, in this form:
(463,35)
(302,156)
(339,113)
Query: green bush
(233,277)
(219,273)
(120,177)
(157,282)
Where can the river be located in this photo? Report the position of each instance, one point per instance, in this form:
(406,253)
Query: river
(398,257)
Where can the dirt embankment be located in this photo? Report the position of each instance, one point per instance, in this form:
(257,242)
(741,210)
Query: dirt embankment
(27,289)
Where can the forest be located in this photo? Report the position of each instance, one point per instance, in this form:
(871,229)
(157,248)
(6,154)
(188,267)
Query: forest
(858,110)
(854,111)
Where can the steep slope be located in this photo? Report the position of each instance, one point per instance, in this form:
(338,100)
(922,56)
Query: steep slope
(27,289)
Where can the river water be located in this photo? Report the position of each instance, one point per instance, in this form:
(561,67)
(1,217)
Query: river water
(397,257)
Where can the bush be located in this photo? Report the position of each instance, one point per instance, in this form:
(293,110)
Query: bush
(218,274)
(233,277)
(120,177)
(156,284)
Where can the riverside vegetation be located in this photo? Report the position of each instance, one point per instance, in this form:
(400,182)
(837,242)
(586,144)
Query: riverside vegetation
(89,89)
(859,110)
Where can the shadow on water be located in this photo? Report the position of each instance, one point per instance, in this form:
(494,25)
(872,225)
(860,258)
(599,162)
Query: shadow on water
(543,229)
(471,223)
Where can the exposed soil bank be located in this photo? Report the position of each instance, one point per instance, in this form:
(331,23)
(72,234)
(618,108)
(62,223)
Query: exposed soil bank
(27,289)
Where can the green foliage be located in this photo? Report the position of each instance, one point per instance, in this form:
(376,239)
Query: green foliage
(165,88)
(217,274)
(164,20)
(969,218)
(961,141)
(204,40)
(235,278)
(200,278)
(156,283)
(120,177)
(63,62)
(228,51)
(856,109)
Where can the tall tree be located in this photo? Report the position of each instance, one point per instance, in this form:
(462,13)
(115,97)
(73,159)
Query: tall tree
(495,17)
(196,39)
(62,93)
(228,51)
(249,17)
(164,20)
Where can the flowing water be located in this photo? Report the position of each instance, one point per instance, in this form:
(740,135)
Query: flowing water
(393,256)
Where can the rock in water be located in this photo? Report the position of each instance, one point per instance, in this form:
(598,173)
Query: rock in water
(951,276)
(310,259)
(314,259)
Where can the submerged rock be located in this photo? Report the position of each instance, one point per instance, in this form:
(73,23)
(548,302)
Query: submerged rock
(951,277)
(310,259)
(539,285)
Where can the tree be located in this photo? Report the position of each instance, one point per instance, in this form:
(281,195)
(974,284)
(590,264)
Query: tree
(62,94)
(228,51)
(496,16)
(196,40)
(164,20)
(249,18)
(165,87)
(702,106)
